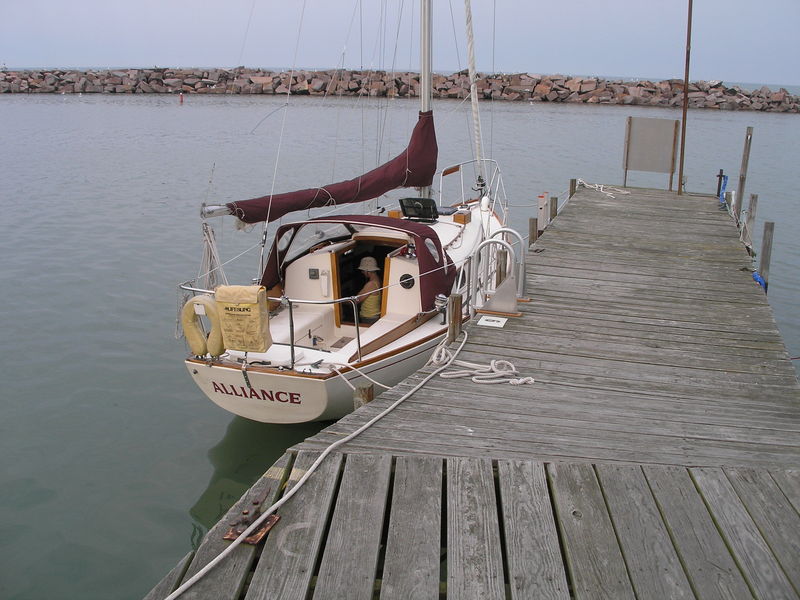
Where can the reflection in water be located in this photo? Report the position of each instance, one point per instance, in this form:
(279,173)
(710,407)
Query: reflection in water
(245,453)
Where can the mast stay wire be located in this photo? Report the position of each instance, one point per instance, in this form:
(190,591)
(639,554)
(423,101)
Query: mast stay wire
(460,68)
(280,139)
(384,126)
(336,80)
(246,32)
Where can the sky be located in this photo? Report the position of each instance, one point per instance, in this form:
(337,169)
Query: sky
(732,40)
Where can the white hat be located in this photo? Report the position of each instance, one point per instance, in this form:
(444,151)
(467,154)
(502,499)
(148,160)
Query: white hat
(368,264)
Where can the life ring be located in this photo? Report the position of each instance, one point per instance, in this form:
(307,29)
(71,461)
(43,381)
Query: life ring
(199,345)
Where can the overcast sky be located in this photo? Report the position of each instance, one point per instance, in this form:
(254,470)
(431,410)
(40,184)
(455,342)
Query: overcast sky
(733,40)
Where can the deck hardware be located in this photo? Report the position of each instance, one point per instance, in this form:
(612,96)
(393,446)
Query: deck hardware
(239,527)
(244,373)
(440,302)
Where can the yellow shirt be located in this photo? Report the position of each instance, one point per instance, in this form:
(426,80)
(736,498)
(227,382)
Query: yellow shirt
(371,306)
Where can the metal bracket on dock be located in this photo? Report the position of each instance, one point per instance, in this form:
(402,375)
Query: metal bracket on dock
(240,526)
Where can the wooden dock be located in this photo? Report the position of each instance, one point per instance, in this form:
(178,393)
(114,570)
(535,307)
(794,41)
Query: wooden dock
(656,456)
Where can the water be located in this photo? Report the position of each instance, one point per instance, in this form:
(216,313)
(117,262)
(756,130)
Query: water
(114,464)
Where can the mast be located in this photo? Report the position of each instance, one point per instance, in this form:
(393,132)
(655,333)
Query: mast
(426,61)
(473,94)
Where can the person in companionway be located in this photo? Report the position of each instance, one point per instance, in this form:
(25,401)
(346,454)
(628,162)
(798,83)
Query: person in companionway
(370,295)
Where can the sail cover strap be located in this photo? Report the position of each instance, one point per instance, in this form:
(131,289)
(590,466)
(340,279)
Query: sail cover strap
(414,167)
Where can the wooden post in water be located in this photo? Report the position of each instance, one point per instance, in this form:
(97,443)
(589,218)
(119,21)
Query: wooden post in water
(766,253)
(747,230)
(533,231)
(743,172)
(573,187)
(553,207)
(363,394)
(453,317)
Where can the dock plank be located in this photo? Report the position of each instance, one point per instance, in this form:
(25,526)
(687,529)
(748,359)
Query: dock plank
(653,564)
(413,545)
(774,516)
(789,482)
(595,563)
(535,569)
(474,555)
(759,566)
(291,551)
(703,553)
(350,558)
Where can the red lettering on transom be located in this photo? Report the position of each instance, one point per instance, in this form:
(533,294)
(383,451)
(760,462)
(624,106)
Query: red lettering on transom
(281,396)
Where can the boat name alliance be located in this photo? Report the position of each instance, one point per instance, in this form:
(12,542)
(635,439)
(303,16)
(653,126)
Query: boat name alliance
(261,394)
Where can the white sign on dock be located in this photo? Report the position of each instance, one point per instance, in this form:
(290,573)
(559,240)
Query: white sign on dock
(489,321)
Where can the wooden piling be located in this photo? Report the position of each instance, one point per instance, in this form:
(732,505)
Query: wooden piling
(363,394)
(542,212)
(766,252)
(501,271)
(553,207)
(533,231)
(748,138)
(454,317)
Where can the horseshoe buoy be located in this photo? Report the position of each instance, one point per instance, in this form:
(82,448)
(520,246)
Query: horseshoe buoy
(199,345)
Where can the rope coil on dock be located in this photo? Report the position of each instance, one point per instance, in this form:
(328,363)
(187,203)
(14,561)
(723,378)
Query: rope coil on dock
(497,371)
(603,189)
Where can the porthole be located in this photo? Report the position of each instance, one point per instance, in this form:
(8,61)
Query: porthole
(406,281)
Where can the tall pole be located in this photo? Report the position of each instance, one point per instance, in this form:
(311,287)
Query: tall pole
(426,65)
(685,97)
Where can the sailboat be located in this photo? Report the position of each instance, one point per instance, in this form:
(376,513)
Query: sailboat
(294,345)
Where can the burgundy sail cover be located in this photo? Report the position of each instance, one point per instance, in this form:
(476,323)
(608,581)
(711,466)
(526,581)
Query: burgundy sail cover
(415,167)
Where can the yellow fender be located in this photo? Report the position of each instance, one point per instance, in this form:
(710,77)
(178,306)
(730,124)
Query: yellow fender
(199,345)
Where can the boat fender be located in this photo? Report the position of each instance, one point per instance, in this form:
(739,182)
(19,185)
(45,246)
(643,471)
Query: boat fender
(199,345)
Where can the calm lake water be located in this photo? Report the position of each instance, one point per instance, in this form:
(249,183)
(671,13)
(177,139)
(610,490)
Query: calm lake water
(114,463)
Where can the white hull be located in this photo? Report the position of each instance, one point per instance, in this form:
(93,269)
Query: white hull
(274,396)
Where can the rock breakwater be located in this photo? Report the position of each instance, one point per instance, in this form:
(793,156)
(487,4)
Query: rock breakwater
(512,87)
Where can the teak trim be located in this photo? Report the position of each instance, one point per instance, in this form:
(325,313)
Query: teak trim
(394,334)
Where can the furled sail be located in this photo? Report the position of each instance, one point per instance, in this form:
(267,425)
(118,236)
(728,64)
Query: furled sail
(414,167)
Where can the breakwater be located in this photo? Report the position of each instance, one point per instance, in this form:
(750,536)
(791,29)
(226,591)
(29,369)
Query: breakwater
(511,87)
